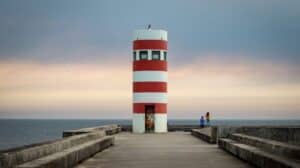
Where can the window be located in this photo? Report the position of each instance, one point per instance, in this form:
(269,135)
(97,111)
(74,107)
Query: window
(165,55)
(143,55)
(155,55)
(134,56)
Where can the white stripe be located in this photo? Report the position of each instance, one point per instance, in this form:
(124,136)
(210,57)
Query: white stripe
(138,123)
(161,55)
(150,97)
(149,54)
(160,123)
(137,55)
(148,76)
(152,34)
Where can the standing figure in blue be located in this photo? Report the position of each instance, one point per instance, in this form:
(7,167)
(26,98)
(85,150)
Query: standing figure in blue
(202,122)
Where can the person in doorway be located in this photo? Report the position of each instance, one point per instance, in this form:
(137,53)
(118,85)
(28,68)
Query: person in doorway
(202,122)
(149,120)
(207,116)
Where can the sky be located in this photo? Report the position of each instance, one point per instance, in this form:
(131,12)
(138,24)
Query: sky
(72,58)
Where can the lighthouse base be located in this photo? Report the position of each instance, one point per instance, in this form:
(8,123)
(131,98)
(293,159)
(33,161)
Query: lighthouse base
(139,123)
(160,123)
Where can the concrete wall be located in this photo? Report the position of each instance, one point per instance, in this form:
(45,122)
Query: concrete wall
(109,130)
(16,156)
(84,142)
(72,156)
(208,134)
(287,134)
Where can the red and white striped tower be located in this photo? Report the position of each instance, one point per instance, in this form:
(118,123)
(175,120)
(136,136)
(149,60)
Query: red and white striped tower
(150,80)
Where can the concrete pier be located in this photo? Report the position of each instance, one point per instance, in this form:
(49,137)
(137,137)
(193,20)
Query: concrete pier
(173,149)
(184,146)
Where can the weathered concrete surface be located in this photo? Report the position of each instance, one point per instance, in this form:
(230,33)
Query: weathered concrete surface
(175,149)
(275,147)
(208,134)
(70,157)
(16,156)
(286,134)
(255,155)
(109,130)
(262,146)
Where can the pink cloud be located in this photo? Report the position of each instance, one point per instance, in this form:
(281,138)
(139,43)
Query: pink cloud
(230,89)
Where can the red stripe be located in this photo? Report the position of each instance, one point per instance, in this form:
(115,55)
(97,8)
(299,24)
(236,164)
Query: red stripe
(158,107)
(150,65)
(149,87)
(150,44)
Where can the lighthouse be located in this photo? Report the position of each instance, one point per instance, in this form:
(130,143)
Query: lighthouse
(150,80)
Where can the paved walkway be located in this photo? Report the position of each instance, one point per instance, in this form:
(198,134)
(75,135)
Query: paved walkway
(175,149)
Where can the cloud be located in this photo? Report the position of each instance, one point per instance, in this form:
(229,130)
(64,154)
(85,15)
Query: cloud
(235,57)
(238,70)
(231,88)
(64,31)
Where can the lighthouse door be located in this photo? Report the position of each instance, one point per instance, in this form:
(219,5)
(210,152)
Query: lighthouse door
(149,118)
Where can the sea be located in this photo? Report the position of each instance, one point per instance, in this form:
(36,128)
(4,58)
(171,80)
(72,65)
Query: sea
(19,132)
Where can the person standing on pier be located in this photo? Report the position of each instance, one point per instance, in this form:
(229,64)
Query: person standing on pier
(207,116)
(202,122)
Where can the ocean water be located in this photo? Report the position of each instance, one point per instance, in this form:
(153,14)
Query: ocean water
(18,132)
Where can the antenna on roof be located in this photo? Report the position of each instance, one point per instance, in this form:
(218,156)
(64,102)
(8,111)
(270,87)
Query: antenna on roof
(149,26)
